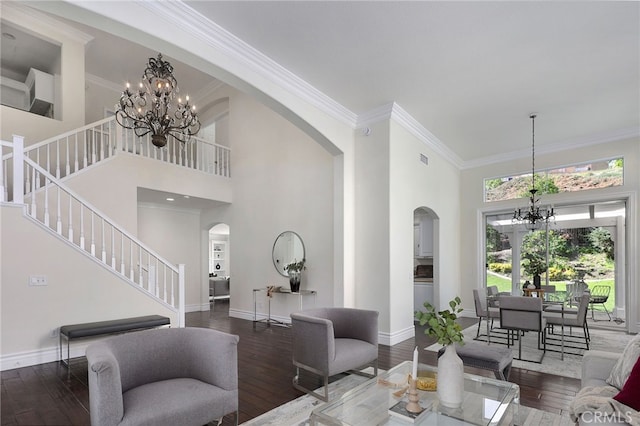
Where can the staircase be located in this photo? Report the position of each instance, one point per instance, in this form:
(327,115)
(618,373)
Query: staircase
(34,176)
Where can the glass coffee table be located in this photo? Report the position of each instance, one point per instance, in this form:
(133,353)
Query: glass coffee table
(486,401)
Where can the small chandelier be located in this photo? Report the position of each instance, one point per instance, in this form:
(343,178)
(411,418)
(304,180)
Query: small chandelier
(535,215)
(150,108)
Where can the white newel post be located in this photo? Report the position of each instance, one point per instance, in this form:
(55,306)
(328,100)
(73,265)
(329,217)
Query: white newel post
(181,295)
(18,169)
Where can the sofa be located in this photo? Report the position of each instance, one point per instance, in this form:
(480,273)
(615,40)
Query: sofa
(603,376)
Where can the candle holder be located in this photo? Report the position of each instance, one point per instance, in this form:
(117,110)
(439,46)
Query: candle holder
(413,406)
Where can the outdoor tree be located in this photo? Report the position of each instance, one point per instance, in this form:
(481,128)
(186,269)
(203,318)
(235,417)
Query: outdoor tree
(601,241)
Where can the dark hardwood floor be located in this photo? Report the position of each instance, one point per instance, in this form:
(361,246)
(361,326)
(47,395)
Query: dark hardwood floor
(41,394)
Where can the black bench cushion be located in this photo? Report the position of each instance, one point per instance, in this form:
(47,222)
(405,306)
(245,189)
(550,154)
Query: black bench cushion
(483,356)
(114,326)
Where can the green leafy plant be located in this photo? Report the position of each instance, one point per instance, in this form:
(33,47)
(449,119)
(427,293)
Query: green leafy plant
(442,325)
(295,266)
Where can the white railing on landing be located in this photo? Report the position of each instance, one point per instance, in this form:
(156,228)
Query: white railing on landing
(80,148)
(50,203)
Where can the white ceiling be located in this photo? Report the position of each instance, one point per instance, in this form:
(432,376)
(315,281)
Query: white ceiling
(469,72)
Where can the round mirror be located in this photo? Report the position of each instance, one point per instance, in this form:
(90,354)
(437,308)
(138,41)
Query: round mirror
(287,248)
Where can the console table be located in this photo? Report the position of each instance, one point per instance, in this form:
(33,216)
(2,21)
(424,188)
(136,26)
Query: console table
(277,293)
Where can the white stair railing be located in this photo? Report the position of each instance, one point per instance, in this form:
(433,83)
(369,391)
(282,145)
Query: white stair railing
(51,204)
(86,146)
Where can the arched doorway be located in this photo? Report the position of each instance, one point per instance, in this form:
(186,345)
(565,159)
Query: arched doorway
(219,264)
(425,287)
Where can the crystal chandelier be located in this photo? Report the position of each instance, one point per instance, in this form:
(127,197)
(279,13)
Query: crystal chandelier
(535,215)
(150,109)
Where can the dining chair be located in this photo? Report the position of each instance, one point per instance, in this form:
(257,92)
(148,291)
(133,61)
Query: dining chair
(521,314)
(599,296)
(571,319)
(483,310)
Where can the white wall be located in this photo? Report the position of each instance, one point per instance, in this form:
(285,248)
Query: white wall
(435,186)
(78,291)
(473,206)
(175,234)
(391,184)
(282,180)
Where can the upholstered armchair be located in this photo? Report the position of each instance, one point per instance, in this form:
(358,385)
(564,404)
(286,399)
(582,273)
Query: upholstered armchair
(329,341)
(170,376)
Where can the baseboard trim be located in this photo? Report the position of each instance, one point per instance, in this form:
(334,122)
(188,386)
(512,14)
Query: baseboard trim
(41,356)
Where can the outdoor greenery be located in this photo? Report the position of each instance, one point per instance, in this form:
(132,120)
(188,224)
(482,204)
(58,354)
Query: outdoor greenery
(572,254)
(579,177)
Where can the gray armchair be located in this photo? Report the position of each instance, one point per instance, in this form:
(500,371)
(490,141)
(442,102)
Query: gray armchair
(170,376)
(329,341)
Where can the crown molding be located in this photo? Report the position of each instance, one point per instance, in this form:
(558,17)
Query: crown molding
(210,33)
(393,111)
(557,146)
(19,14)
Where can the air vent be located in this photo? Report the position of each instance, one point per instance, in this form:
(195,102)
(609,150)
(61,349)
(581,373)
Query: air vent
(424,159)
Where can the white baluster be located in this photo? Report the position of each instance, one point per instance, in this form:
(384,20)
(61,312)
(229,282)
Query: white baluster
(70,217)
(58,159)
(113,247)
(18,170)
(181,295)
(141,278)
(93,235)
(68,166)
(85,154)
(4,196)
(81,226)
(122,253)
(59,219)
(131,260)
(93,147)
(75,156)
(164,283)
(48,161)
(33,192)
(151,279)
(104,245)
(46,204)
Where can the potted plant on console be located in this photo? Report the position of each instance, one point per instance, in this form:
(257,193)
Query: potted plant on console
(442,325)
(294,270)
(534,265)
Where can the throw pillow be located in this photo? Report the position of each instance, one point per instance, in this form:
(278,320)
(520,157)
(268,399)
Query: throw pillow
(622,369)
(630,393)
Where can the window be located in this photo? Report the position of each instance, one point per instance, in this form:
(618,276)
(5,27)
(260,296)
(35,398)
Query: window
(578,177)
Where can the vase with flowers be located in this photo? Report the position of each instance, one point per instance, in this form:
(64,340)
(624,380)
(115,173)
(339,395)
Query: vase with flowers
(443,326)
(294,271)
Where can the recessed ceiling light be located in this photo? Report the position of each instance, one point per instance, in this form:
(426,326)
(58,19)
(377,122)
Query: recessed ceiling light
(186,196)
(170,199)
(8,36)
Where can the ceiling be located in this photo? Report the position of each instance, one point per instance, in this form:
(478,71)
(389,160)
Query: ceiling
(468,72)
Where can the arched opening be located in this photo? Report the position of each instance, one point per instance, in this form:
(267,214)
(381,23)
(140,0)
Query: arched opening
(425,270)
(219,265)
